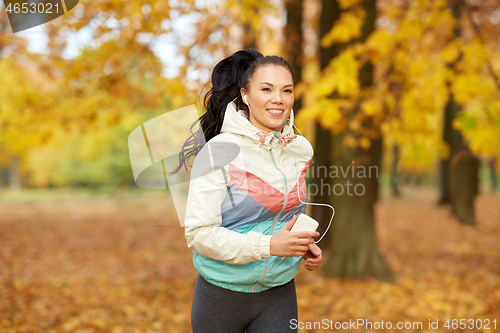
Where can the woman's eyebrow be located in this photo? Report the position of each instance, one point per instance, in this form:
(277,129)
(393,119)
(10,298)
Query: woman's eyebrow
(288,85)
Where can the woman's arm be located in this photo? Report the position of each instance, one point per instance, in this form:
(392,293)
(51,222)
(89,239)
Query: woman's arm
(203,220)
(313,257)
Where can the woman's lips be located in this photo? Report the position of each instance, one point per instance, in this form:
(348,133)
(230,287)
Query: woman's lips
(274,112)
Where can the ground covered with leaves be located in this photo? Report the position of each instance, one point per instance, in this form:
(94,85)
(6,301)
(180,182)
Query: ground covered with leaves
(120,264)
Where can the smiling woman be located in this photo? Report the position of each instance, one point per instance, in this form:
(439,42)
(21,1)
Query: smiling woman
(239,213)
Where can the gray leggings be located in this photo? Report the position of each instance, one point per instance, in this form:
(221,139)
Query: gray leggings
(221,310)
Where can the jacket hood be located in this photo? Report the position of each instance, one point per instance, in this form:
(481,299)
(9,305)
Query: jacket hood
(235,122)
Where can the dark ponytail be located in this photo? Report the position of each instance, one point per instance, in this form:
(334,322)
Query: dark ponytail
(228,77)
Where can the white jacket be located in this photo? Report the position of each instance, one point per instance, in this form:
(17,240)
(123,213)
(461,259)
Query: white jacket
(241,193)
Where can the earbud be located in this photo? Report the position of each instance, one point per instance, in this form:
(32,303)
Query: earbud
(246,102)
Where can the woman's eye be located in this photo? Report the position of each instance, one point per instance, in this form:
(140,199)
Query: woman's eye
(288,90)
(267,89)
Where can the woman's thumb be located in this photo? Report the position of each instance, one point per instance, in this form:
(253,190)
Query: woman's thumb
(290,224)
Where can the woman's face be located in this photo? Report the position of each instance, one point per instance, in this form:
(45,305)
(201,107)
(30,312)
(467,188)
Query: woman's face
(270,97)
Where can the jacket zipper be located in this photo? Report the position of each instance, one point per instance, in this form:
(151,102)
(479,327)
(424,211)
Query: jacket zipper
(276,218)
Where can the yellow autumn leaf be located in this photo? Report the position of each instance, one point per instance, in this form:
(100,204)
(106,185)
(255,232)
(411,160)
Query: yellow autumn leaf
(326,85)
(379,44)
(371,108)
(409,30)
(344,4)
(475,54)
(355,124)
(439,4)
(365,142)
(385,128)
(309,112)
(345,68)
(485,141)
(98,322)
(450,53)
(124,291)
(350,141)
(156,325)
(443,150)
(400,60)
(346,28)
(71,324)
(117,329)
(469,85)
(390,101)
(329,114)
(128,309)
(418,67)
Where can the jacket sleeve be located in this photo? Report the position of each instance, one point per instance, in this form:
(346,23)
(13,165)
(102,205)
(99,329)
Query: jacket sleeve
(203,220)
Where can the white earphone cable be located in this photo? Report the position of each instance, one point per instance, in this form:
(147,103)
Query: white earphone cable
(298,191)
(296,172)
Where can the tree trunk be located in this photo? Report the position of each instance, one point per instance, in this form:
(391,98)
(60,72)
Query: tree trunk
(4,22)
(249,38)
(377,146)
(449,115)
(330,12)
(394,172)
(450,135)
(459,173)
(293,42)
(321,182)
(14,178)
(1,178)
(2,181)
(463,185)
(493,175)
(456,143)
(353,251)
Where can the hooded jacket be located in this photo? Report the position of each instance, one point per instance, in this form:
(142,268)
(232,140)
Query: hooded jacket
(245,186)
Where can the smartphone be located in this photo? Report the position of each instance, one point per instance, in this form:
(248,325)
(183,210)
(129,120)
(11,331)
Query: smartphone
(305,223)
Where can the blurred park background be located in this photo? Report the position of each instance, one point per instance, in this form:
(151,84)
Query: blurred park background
(410,87)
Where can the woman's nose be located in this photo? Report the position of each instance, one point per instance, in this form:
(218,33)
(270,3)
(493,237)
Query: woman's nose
(278,98)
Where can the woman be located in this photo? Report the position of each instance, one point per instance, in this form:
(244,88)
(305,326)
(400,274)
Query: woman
(247,188)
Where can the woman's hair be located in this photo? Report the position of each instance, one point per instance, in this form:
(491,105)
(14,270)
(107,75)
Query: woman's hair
(228,77)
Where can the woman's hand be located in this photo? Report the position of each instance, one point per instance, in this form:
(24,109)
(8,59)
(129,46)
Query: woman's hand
(287,244)
(313,257)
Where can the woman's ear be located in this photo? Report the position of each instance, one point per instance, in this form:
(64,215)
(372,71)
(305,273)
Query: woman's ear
(243,92)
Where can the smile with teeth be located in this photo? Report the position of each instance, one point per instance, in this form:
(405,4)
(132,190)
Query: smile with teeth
(275,111)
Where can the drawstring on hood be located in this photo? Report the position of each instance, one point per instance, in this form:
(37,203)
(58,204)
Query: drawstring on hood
(283,138)
(235,122)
